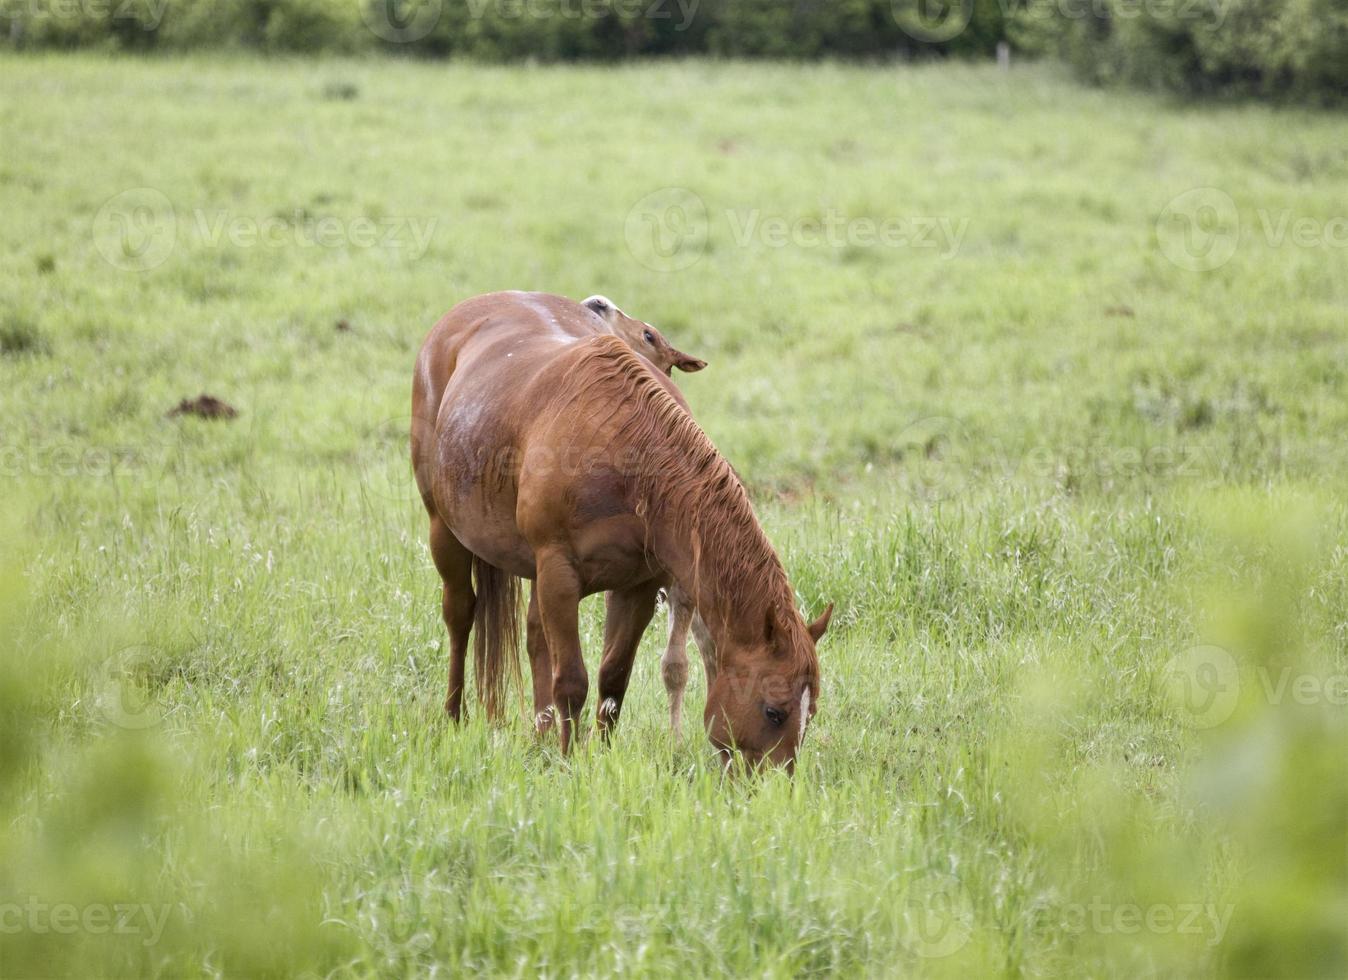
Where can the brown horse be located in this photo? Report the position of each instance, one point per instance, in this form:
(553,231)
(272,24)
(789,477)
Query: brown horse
(543,451)
(652,345)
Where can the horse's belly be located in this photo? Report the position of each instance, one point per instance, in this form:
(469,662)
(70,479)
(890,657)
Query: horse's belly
(495,544)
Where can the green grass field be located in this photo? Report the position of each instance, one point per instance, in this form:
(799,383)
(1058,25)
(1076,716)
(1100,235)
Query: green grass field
(1044,387)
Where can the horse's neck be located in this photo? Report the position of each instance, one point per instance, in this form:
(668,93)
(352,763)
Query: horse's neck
(721,557)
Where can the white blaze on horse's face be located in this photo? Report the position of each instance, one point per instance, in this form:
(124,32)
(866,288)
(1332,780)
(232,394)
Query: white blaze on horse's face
(804,716)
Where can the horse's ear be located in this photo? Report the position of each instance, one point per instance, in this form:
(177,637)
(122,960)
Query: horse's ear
(686,362)
(819,625)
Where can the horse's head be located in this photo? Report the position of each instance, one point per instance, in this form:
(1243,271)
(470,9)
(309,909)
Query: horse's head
(766,690)
(642,337)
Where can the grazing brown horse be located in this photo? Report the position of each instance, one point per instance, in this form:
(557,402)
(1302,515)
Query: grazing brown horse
(547,452)
(652,345)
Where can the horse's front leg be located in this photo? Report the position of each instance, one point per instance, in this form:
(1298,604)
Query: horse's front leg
(557,589)
(628,612)
(674,663)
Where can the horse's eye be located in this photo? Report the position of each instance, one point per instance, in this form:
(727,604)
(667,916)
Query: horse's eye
(775,715)
(648,337)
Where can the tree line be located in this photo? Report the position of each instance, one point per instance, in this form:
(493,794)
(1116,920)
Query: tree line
(1295,49)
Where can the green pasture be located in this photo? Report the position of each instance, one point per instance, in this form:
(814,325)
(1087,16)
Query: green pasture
(1045,387)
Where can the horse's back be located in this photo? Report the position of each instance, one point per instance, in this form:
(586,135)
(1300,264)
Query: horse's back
(483,356)
(481,377)
(522,443)
(482,321)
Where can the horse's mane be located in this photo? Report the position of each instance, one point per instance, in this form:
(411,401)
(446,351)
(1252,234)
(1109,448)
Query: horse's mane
(677,475)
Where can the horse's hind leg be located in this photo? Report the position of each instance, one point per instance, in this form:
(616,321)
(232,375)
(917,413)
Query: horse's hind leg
(627,614)
(674,663)
(540,664)
(454,562)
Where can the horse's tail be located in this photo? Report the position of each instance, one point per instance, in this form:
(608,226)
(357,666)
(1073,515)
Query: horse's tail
(496,643)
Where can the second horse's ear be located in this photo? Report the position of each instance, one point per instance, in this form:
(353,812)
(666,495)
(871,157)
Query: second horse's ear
(686,362)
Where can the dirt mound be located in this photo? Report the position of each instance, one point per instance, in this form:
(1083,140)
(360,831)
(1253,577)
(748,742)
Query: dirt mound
(205,407)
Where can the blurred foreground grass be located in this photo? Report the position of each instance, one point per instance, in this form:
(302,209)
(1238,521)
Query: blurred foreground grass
(1075,485)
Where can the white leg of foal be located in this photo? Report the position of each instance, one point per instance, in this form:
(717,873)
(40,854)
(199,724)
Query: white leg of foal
(706,646)
(674,664)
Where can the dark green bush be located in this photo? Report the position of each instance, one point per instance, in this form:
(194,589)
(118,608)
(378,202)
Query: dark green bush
(70,24)
(1278,48)
(314,25)
(220,23)
(814,28)
(274,25)
(278,25)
